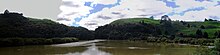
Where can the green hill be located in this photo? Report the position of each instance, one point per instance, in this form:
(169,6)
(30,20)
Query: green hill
(153,27)
(17,30)
(16,25)
(135,20)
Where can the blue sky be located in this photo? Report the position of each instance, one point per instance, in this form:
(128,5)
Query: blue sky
(94,13)
(171,4)
(95,8)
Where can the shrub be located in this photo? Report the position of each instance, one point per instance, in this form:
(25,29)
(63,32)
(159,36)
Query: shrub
(33,41)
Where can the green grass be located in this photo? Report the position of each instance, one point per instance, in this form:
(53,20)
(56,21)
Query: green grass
(215,27)
(212,23)
(188,31)
(135,20)
(211,32)
(210,26)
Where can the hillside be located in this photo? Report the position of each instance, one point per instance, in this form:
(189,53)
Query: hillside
(16,25)
(17,30)
(145,27)
(135,20)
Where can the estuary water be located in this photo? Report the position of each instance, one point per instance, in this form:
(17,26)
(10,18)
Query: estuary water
(102,47)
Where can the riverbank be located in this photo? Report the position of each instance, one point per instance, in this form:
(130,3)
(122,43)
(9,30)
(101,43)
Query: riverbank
(7,42)
(90,42)
(192,41)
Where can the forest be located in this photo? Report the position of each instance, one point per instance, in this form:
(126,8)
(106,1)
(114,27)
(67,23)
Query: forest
(16,30)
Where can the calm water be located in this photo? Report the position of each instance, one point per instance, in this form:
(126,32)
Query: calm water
(102,48)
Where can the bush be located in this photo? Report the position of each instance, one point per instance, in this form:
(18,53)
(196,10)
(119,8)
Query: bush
(217,44)
(33,41)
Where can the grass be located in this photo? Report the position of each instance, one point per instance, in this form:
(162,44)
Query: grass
(135,20)
(210,26)
(211,32)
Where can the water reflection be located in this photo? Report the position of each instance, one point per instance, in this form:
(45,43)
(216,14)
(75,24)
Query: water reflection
(102,48)
(92,50)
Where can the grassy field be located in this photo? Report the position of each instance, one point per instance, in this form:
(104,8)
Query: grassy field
(136,20)
(210,26)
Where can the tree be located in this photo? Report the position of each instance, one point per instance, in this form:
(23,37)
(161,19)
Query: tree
(205,35)
(216,34)
(184,23)
(166,33)
(210,19)
(165,19)
(217,44)
(188,25)
(206,19)
(172,37)
(198,33)
(6,12)
(181,34)
(202,27)
(142,22)
(159,32)
(152,17)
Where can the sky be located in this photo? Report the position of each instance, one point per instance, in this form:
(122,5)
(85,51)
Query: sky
(40,9)
(94,13)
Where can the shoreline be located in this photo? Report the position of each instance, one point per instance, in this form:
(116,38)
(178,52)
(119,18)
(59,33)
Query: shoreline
(80,43)
(83,43)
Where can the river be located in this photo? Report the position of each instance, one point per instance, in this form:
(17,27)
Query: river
(102,47)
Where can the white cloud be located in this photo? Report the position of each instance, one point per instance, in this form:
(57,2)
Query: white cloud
(104,1)
(78,10)
(186,4)
(125,10)
(210,10)
(135,8)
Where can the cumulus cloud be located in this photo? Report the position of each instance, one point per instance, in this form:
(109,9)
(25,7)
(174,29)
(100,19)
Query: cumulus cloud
(94,13)
(104,17)
(126,9)
(195,10)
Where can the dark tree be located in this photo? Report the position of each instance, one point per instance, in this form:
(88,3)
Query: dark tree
(152,17)
(205,35)
(188,25)
(166,33)
(216,34)
(202,27)
(199,33)
(184,23)
(142,22)
(181,34)
(210,19)
(159,32)
(172,37)
(165,19)
(206,19)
